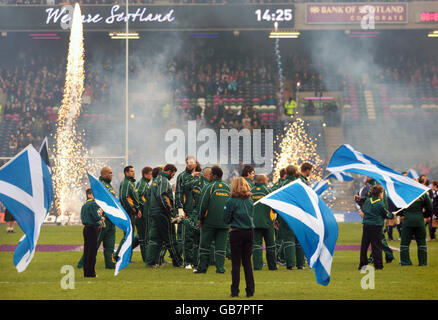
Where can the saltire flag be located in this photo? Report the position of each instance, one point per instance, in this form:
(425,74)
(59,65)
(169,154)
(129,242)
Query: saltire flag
(115,212)
(320,187)
(413,174)
(312,222)
(44,152)
(26,190)
(340,176)
(401,190)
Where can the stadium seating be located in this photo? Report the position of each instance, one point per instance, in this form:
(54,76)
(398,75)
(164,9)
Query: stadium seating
(7,128)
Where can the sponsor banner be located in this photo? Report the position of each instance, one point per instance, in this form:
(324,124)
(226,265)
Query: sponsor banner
(352,13)
(62,220)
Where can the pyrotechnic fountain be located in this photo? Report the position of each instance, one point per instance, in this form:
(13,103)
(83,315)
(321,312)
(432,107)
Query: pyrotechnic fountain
(71,163)
(297,147)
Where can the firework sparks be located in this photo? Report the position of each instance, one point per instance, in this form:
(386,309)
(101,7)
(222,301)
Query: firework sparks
(297,147)
(69,173)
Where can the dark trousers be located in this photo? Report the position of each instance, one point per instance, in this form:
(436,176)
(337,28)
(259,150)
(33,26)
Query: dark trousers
(432,230)
(371,235)
(107,236)
(162,232)
(390,233)
(406,238)
(241,241)
(390,229)
(91,233)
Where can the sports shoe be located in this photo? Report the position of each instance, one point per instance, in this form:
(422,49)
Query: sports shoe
(189,267)
(197,271)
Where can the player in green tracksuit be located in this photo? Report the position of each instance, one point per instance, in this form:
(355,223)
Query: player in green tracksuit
(213,227)
(293,252)
(264,226)
(107,234)
(248,173)
(161,212)
(129,200)
(413,224)
(279,253)
(360,199)
(142,224)
(305,171)
(184,205)
(198,183)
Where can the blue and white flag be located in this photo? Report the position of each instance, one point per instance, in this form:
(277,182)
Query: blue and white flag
(26,190)
(44,152)
(320,187)
(115,212)
(312,222)
(340,176)
(413,174)
(401,190)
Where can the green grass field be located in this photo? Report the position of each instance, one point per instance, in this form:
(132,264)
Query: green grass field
(42,279)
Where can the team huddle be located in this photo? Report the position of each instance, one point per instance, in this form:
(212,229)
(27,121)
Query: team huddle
(188,220)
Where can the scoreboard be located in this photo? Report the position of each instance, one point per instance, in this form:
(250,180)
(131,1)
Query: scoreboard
(148,17)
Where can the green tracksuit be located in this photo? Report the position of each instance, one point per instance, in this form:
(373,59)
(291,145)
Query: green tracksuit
(184,200)
(413,224)
(375,214)
(130,202)
(90,213)
(128,196)
(304,180)
(389,255)
(142,224)
(264,229)
(239,213)
(161,210)
(107,234)
(213,228)
(250,182)
(191,222)
(293,252)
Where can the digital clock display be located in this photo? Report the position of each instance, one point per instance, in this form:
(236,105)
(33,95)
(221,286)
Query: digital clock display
(277,15)
(143,17)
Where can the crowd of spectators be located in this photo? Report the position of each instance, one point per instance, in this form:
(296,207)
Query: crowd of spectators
(31,86)
(414,70)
